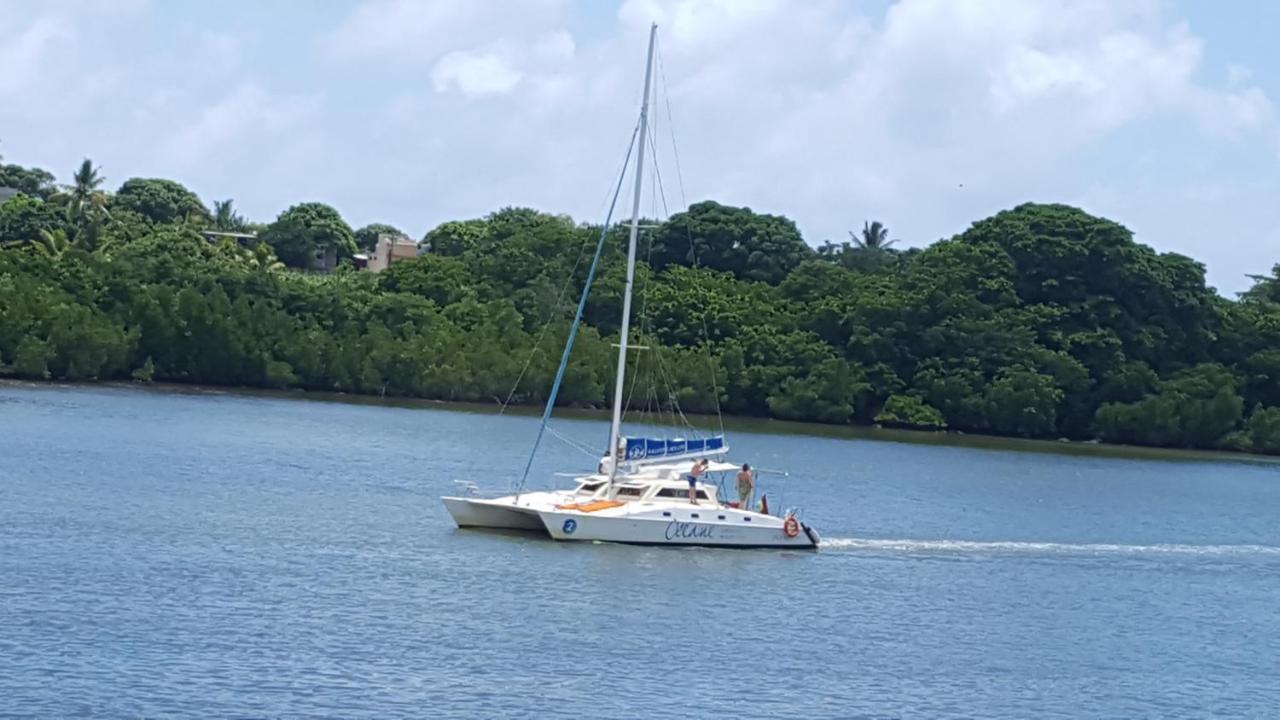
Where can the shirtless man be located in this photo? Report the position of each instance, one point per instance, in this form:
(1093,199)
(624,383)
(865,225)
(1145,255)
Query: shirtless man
(695,472)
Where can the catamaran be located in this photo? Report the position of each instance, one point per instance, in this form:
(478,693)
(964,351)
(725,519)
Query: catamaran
(643,491)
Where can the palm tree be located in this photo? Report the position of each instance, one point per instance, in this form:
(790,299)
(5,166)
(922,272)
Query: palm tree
(225,218)
(87,198)
(84,200)
(52,243)
(55,244)
(874,236)
(87,204)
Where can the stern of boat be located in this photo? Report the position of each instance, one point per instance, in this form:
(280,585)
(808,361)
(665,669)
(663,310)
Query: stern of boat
(812,534)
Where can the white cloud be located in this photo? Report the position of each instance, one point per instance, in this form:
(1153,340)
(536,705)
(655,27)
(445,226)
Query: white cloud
(474,74)
(219,52)
(1112,81)
(22,58)
(555,46)
(429,29)
(246,113)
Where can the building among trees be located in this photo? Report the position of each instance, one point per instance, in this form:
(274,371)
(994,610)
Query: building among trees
(390,248)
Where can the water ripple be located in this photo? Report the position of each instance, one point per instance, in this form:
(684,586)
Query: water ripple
(219,556)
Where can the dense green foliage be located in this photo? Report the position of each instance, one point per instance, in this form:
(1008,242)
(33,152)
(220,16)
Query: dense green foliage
(305,228)
(1041,321)
(24,217)
(160,201)
(367,236)
(32,181)
(909,411)
(749,245)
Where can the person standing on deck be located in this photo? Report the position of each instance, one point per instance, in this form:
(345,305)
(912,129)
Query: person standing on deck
(746,486)
(695,472)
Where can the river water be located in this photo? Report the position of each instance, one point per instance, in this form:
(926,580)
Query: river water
(210,554)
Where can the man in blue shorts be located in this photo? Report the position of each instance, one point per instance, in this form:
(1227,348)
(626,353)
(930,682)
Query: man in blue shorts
(695,472)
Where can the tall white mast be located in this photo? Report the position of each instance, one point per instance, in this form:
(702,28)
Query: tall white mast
(616,428)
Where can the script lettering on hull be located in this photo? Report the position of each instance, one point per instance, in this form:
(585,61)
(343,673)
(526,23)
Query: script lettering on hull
(677,530)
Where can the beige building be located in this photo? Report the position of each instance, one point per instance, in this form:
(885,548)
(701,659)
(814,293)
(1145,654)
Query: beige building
(390,249)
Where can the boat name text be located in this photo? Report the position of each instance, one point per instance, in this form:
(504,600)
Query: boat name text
(677,530)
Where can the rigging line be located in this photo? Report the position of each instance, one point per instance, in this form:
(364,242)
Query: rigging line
(634,375)
(655,180)
(693,252)
(577,318)
(605,201)
(672,406)
(576,445)
(559,303)
(646,325)
(631,386)
(671,126)
(644,285)
(666,374)
(674,402)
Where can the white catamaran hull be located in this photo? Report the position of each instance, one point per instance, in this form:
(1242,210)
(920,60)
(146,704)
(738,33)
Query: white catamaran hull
(504,513)
(654,528)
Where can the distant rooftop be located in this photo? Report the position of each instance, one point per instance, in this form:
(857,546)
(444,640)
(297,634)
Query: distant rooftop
(216,233)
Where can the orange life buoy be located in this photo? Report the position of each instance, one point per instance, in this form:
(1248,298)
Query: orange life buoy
(791,527)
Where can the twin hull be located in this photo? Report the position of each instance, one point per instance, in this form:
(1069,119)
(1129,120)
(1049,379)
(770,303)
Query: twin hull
(501,513)
(656,526)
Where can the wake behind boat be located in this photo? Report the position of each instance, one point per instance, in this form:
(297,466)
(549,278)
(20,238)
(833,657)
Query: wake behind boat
(646,490)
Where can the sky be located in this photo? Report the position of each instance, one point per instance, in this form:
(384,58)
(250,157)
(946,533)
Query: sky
(926,115)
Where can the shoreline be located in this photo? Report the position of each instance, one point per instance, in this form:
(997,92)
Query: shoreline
(771,426)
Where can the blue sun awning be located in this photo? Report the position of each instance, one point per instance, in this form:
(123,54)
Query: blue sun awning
(660,448)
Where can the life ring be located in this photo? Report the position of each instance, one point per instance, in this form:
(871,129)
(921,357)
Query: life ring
(791,526)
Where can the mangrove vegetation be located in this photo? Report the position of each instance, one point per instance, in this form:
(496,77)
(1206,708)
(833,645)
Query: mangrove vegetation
(1041,321)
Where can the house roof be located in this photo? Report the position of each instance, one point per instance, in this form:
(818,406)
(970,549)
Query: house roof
(216,233)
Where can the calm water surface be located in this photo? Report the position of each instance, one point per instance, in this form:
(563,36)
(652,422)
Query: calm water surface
(216,555)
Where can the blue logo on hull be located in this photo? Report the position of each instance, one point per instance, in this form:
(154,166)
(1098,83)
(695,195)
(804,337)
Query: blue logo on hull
(570,525)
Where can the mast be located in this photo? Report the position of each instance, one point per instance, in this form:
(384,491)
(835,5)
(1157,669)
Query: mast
(616,428)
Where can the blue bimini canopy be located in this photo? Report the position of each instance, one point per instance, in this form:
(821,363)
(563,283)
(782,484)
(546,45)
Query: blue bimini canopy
(659,448)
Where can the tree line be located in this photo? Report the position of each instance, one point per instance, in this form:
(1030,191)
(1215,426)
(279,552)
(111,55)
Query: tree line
(1041,321)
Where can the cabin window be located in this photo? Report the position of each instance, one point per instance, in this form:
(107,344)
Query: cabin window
(693,515)
(630,492)
(680,493)
(721,517)
(746,519)
(666,513)
(590,487)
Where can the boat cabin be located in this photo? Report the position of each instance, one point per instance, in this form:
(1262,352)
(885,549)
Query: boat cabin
(642,488)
